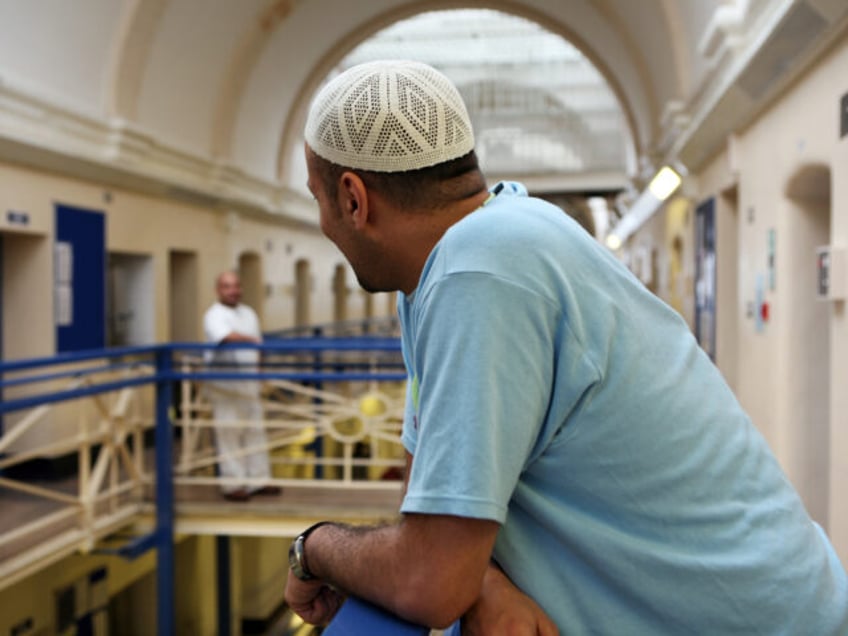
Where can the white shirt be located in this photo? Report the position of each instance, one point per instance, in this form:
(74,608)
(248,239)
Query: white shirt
(219,322)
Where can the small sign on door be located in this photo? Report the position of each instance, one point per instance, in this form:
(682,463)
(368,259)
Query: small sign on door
(830,273)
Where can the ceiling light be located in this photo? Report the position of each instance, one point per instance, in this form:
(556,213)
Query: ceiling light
(662,186)
(613,242)
(664,183)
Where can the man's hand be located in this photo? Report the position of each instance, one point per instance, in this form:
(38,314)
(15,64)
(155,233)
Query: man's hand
(504,610)
(313,601)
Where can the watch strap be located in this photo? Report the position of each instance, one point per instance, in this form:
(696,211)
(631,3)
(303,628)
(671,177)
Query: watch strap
(297,553)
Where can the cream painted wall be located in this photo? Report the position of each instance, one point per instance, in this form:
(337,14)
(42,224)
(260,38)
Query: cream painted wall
(838,508)
(779,366)
(141,224)
(28,325)
(27,268)
(280,252)
(146,225)
(788,374)
(756,373)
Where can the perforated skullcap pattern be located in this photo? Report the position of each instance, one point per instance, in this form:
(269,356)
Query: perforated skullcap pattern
(389,116)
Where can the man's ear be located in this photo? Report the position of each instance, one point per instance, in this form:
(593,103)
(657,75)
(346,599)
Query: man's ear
(353,197)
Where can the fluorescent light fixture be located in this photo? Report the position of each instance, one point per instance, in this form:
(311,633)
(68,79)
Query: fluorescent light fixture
(613,242)
(664,183)
(662,186)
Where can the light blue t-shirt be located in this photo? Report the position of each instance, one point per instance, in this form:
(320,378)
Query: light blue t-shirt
(551,392)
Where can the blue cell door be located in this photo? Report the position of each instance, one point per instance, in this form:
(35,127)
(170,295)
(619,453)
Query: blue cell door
(705,276)
(80,279)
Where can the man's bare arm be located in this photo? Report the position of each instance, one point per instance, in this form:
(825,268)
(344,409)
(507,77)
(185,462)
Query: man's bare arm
(235,336)
(426,568)
(501,608)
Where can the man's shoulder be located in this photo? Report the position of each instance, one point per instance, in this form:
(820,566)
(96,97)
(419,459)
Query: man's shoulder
(517,226)
(219,311)
(214,308)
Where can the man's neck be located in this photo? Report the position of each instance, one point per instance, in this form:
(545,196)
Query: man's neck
(426,230)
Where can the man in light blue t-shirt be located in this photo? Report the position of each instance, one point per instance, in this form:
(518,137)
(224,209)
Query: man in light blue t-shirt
(576,463)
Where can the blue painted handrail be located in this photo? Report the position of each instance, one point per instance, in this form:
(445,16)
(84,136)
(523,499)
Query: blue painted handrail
(157,352)
(360,618)
(47,377)
(293,345)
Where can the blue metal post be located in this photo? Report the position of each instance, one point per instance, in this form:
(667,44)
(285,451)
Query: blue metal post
(1,341)
(165,619)
(318,444)
(222,549)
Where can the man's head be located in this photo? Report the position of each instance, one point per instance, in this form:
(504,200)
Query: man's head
(386,139)
(228,288)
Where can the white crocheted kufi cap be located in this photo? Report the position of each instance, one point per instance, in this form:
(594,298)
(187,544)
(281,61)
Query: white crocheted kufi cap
(389,116)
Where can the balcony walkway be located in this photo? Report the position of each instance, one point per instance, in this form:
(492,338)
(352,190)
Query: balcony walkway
(139,437)
(35,532)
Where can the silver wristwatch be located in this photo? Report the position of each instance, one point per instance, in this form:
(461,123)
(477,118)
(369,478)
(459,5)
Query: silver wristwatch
(297,555)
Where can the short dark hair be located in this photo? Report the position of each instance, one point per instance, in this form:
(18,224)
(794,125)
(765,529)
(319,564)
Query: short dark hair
(425,188)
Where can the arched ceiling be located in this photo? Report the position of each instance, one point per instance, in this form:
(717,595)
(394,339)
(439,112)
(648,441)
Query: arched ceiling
(209,96)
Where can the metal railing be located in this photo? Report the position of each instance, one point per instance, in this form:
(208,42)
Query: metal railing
(332,412)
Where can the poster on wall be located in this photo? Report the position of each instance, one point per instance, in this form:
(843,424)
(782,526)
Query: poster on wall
(705,276)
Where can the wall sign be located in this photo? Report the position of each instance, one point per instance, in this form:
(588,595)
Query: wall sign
(771,241)
(15,217)
(760,314)
(830,273)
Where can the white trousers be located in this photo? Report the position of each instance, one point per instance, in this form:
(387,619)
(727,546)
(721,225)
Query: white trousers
(238,425)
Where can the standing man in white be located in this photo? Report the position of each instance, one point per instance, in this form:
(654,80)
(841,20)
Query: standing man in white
(236,406)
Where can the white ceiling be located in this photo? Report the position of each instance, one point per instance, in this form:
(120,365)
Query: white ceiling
(209,96)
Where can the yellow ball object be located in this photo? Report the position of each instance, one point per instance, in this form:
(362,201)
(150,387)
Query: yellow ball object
(372,405)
